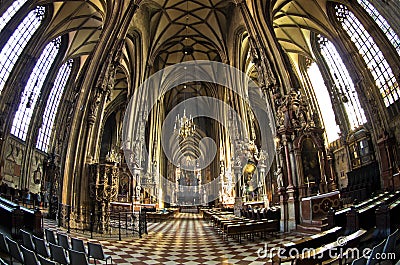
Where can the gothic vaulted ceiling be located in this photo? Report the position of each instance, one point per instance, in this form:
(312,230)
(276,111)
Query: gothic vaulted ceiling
(183,30)
(294,20)
(82,20)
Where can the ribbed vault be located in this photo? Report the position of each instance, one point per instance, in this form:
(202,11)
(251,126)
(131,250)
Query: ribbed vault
(183,30)
(294,20)
(83,21)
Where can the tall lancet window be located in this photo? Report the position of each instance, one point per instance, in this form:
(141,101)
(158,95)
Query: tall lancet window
(343,87)
(10,12)
(17,42)
(382,24)
(373,57)
(33,88)
(324,102)
(53,102)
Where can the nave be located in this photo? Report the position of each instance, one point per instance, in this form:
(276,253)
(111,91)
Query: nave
(186,239)
(198,238)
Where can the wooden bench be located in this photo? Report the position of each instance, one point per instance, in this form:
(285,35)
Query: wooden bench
(7,217)
(226,224)
(251,228)
(387,219)
(339,218)
(365,217)
(394,209)
(324,253)
(315,240)
(188,209)
(21,218)
(158,216)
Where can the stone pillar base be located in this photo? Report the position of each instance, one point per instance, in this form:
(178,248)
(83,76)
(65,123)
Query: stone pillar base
(266,201)
(238,206)
(283,205)
(291,210)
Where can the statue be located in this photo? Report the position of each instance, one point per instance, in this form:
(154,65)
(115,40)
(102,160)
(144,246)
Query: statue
(281,117)
(279,177)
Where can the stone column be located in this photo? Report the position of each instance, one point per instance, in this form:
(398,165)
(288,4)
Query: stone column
(284,209)
(323,188)
(302,187)
(291,200)
(387,157)
(237,170)
(332,182)
(106,191)
(293,163)
(263,192)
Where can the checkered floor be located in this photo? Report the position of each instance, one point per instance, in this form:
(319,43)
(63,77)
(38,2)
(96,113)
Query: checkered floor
(186,239)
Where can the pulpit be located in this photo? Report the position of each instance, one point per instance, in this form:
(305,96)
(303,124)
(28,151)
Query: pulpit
(316,207)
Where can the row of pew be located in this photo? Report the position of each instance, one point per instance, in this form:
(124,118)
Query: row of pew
(367,215)
(334,247)
(15,217)
(54,248)
(272,213)
(357,226)
(228,225)
(318,248)
(160,215)
(383,251)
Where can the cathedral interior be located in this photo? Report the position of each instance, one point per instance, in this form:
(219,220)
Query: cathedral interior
(151,105)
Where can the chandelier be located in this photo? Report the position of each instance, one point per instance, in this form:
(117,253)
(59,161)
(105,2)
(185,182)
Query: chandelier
(184,126)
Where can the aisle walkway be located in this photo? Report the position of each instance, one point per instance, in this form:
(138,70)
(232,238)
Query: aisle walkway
(187,239)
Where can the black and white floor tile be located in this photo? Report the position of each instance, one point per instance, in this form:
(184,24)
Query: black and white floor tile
(187,239)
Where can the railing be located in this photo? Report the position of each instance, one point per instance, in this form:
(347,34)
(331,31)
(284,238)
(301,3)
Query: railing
(110,224)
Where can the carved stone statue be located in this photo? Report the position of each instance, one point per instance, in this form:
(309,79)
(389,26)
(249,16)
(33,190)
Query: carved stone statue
(293,112)
(279,177)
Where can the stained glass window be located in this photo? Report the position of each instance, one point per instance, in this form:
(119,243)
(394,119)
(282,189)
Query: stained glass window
(343,85)
(17,42)
(382,24)
(372,55)
(10,12)
(32,90)
(53,102)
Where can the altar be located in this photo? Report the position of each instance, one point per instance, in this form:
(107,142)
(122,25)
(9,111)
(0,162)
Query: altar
(121,206)
(316,207)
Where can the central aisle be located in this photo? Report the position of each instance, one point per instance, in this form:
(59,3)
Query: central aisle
(186,239)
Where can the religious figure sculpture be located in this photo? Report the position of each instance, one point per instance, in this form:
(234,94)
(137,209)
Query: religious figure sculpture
(279,177)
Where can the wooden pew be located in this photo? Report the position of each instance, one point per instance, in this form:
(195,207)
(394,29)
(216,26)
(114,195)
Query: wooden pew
(387,219)
(323,253)
(158,216)
(265,227)
(365,217)
(8,218)
(251,228)
(394,209)
(21,218)
(338,218)
(315,240)
(224,225)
